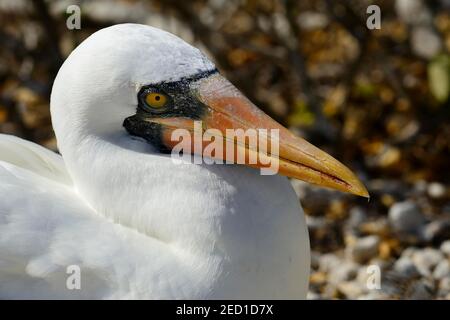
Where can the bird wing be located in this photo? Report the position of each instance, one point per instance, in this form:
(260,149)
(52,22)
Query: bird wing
(33,157)
(53,245)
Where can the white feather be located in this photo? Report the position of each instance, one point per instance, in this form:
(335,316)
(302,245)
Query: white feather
(138,225)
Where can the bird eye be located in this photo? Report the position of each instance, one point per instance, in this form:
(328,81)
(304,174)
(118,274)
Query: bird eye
(156,100)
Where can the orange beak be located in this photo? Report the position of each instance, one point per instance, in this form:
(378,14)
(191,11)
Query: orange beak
(227,108)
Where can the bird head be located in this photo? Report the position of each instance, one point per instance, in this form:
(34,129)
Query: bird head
(148,83)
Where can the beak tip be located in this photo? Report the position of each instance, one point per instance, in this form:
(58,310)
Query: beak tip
(364,193)
(359,189)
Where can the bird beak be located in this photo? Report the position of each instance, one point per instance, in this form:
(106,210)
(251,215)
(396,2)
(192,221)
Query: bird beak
(227,108)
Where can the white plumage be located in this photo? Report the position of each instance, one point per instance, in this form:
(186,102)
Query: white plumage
(138,225)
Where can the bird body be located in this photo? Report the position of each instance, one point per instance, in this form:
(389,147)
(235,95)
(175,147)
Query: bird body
(188,234)
(136,224)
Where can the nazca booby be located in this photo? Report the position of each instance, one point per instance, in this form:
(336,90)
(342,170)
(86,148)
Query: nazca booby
(135,224)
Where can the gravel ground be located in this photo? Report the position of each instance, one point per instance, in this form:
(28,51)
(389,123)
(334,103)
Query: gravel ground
(370,250)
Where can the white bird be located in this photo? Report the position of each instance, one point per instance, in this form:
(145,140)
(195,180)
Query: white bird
(134,224)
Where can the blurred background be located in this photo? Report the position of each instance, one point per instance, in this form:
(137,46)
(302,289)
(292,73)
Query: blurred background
(378,100)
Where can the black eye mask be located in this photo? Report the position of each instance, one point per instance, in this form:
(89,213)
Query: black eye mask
(182,103)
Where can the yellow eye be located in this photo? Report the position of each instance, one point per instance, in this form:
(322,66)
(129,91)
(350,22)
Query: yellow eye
(156,100)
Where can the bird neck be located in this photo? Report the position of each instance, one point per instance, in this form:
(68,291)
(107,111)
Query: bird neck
(127,182)
(220,210)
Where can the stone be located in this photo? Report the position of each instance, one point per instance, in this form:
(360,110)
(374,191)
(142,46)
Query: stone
(444,287)
(344,272)
(364,249)
(445,248)
(442,270)
(328,261)
(421,290)
(379,227)
(310,20)
(426,260)
(357,216)
(425,42)
(412,11)
(405,217)
(318,278)
(406,267)
(350,289)
(409,252)
(394,284)
(315,223)
(436,190)
(362,276)
(435,231)
(420,187)
(330,291)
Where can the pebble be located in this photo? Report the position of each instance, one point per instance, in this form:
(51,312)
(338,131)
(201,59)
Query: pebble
(344,272)
(328,262)
(435,231)
(363,275)
(421,290)
(357,216)
(395,284)
(350,289)
(14,6)
(436,190)
(412,11)
(316,222)
(425,42)
(420,187)
(317,279)
(444,286)
(364,249)
(405,217)
(409,252)
(379,227)
(310,20)
(445,247)
(442,270)
(425,260)
(406,267)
